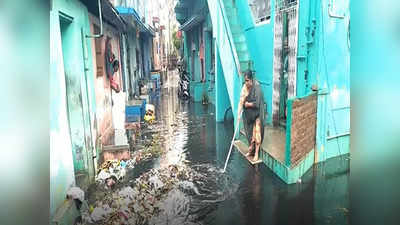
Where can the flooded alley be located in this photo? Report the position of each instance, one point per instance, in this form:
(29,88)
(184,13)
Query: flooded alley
(148,98)
(193,142)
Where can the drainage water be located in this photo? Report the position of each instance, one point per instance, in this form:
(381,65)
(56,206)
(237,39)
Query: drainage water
(244,194)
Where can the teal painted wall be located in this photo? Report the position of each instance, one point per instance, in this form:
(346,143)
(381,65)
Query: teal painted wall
(198,88)
(61,162)
(323,59)
(332,75)
(324,41)
(71,122)
(225,48)
(260,40)
(222,102)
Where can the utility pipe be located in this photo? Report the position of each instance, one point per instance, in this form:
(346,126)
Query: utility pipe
(101,23)
(331,13)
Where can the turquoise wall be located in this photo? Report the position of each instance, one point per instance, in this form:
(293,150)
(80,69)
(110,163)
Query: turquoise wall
(332,76)
(260,40)
(229,71)
(71,122)
(197,88)
(222,102)
(323,59)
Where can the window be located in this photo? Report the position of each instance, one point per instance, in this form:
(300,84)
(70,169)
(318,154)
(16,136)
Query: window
(99,53)
(261,10)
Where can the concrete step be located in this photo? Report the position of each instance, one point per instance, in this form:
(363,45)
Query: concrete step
(244,65)
(237,43)
(243,56)
(112,152)
(241,46)
(229,9)
(232,14)
(236,30)
(228,3)
(239,38)
(233,22)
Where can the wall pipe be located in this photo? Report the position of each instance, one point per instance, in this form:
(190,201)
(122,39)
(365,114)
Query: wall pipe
(331,13)
(101,23)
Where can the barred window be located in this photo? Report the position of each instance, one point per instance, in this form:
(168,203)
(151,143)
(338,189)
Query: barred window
(261,10)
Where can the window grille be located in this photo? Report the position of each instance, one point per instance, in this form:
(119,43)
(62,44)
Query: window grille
(283,5)
(261,10)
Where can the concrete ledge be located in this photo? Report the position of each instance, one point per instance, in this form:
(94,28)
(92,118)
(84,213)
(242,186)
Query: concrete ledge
(288,175)
(119,152)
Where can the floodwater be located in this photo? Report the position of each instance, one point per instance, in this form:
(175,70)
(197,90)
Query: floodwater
(244,194)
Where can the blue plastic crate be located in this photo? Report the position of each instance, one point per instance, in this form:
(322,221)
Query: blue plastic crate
(135,110)
(143,109)
(132,118)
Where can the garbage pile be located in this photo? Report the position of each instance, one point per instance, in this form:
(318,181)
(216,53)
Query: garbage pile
(113,171)
(149,117)
(139,203)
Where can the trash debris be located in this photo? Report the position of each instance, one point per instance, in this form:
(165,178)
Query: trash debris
(149,116)
(100,213)
(138,203)
(76,193)
(103,175)
(111,181)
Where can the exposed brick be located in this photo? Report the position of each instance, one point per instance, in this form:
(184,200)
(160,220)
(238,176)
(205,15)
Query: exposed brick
(302,127)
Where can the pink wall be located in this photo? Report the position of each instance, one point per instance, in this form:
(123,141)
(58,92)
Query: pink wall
(105,128)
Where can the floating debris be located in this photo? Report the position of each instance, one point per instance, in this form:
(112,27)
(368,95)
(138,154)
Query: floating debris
(76,193)
(137,204)
(113,171)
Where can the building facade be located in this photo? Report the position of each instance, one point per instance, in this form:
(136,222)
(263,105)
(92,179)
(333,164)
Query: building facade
(72,101)
(97,58)
(300,53)
(198,48)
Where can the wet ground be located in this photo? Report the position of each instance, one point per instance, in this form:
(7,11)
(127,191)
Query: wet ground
(244,194)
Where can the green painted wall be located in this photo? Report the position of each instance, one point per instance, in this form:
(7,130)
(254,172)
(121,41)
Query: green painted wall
(329,68)
(260,39)
(199,89)
(72,100)
(323,60)
(221,93)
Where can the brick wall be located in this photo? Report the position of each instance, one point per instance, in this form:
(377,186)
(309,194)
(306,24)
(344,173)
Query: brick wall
(303,128)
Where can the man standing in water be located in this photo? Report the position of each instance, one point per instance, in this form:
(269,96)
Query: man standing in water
(252,100)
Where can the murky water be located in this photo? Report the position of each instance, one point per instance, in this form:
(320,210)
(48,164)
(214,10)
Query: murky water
(244,194)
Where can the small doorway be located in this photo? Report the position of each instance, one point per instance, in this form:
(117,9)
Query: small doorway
(76,96)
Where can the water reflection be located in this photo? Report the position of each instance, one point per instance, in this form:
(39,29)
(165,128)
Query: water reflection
(244,194)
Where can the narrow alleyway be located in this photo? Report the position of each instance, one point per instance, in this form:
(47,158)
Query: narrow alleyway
(191,139)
